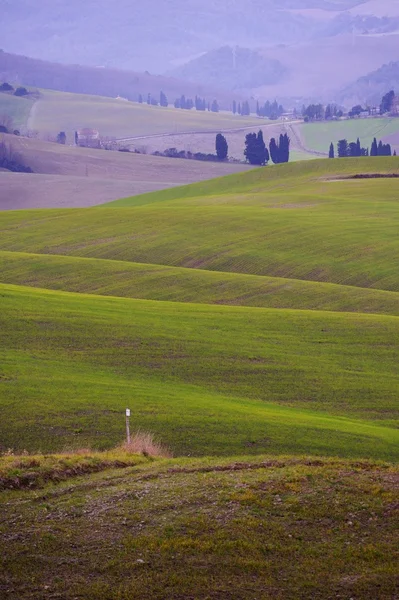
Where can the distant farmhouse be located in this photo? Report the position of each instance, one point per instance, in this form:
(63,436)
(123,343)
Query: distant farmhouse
(88,138)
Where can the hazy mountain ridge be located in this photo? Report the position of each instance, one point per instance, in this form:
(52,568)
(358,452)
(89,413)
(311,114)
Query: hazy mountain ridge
(370,88)
(151,35)
(103,82)
(164,38)
(232,68)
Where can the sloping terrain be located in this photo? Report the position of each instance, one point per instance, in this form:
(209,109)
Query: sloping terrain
(206,529)
(110,82)
(371,87)
(273,239)
(249,322)
(360,52)
(66,176)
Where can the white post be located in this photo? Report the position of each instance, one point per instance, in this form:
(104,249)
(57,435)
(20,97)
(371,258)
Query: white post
(128,426)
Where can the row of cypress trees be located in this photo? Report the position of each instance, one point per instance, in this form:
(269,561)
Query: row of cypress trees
(256,152)
(353,149)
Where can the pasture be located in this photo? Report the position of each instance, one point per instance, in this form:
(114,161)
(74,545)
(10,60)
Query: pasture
(318,136)
(249,322)
(61,111)
(18,109)
(270,275)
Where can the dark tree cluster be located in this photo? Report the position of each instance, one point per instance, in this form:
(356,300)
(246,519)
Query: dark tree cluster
(347,149)
(11,160)
(8,88)
(332,112)
(380,149)
(280,151)
(313,112)
(356,111)
(387,102)
(257,153)
(271,110)
(174,153)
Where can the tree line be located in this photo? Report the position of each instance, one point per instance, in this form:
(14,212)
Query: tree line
(270,110)
(256,152)
(347,149)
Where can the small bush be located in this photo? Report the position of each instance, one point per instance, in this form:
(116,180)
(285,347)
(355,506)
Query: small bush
(145,443)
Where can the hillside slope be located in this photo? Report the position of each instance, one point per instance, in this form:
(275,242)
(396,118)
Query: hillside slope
(206,529)
(66,176)
(307,380)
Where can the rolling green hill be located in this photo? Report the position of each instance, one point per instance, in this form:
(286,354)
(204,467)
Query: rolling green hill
(297,242)
(59,111)
(251,323)
(211,380)
(291,221)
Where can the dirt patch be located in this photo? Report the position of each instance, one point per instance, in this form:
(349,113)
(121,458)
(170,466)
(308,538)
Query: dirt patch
(360,176)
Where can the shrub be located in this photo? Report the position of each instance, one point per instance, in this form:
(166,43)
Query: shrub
(145,443)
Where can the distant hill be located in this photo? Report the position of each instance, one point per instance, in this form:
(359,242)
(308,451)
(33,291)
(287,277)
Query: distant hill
(99,81)
(371,87)
(232,68)
(152,35)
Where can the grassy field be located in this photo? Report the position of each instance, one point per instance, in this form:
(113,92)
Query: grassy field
(65,176)
(156,282)
(219,529)
(251,323)
(318,136)
(306,381)
(16,108)
(58,111)
(293,222)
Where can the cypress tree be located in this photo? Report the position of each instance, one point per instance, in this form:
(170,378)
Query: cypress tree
(374,148)
(274,151)
(343,148)
(222,148)
(163,101)
(331,153)
(234,107)
(255,151)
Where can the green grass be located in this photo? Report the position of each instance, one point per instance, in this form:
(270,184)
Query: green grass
(58,111)
(209,380)
(16,108)
(155,282)
(289,221)
(136,314)
(318,136)
(234,529)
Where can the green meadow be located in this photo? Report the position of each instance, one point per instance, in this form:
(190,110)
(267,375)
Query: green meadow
(251,324)
(254,313)
(64,111)
(318,136)
(16,108)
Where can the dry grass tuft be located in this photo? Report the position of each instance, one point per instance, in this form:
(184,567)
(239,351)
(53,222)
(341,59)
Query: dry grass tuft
(145,443)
